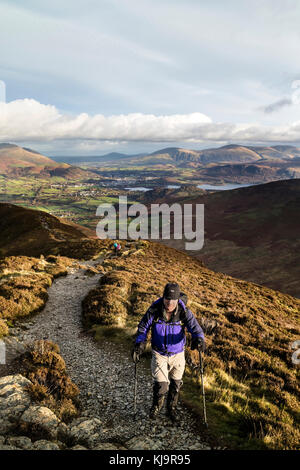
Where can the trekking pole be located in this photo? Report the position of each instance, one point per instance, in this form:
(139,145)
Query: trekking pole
(135,389)
(202,386)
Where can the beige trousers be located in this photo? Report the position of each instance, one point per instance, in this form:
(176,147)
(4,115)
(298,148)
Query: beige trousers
(164,368)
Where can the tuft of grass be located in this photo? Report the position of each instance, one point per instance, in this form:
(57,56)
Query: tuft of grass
(51,386)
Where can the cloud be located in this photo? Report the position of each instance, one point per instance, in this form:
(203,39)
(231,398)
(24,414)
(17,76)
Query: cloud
(294,99)
(271,108)
(28,120)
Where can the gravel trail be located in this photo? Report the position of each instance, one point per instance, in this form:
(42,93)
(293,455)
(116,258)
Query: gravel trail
(104,372)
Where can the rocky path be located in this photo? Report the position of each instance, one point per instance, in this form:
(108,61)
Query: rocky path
(104,373)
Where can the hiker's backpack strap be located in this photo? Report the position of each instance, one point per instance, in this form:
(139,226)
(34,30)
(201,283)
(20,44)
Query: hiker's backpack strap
(183,312)
(155,311)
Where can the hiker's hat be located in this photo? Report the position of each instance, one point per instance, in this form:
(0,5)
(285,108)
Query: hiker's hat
(171,291)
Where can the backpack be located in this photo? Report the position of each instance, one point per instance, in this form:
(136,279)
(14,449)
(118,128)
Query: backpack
(183,297)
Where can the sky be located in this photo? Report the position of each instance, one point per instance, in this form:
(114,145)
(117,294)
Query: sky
(87,77)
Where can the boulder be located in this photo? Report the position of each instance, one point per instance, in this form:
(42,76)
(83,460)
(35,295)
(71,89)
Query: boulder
(14,400)
(22,442)
(63,432)
(13,380)
(39,421)
(85,431)
(7,447)
(42,444)
(78,447)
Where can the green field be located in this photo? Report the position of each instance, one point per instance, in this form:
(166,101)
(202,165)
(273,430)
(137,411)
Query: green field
(75,201)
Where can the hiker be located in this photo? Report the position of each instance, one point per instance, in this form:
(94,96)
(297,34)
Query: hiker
(167,317)
(117,248)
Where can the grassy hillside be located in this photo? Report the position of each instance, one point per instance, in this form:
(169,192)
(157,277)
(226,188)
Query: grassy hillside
(32,233)
(251,383)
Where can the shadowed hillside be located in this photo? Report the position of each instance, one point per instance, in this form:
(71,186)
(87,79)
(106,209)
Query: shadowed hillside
(32,233)
(162,195)
(256,172)
(253,233)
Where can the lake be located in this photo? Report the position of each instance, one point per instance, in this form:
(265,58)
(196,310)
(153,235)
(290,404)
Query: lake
(138,188)
(222,187)
(209,187)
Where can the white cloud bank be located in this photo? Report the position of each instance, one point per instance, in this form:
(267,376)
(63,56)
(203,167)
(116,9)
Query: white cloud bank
(27,120)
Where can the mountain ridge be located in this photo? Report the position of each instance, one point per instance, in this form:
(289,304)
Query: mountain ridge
(18,161)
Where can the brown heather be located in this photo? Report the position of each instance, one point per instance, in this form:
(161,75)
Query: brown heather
(3,328)
(51,385)
(251,382)
(23,285)
(33,233)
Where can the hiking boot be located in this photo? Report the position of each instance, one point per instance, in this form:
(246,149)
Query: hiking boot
(172,400)
(156,407)
(159,392)
(172,408)
(172,414)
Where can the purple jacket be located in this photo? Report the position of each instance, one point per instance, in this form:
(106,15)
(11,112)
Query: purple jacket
(168,338)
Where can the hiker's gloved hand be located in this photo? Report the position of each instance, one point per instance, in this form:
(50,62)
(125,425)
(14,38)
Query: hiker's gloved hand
(137,352)
(199,344)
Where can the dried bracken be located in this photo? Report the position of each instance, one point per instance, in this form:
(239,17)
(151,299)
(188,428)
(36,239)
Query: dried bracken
(51,385)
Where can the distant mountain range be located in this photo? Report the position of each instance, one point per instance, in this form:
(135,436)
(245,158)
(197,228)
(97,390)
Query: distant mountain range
(107,158)
(225,154)
(230,163)
(17,161)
